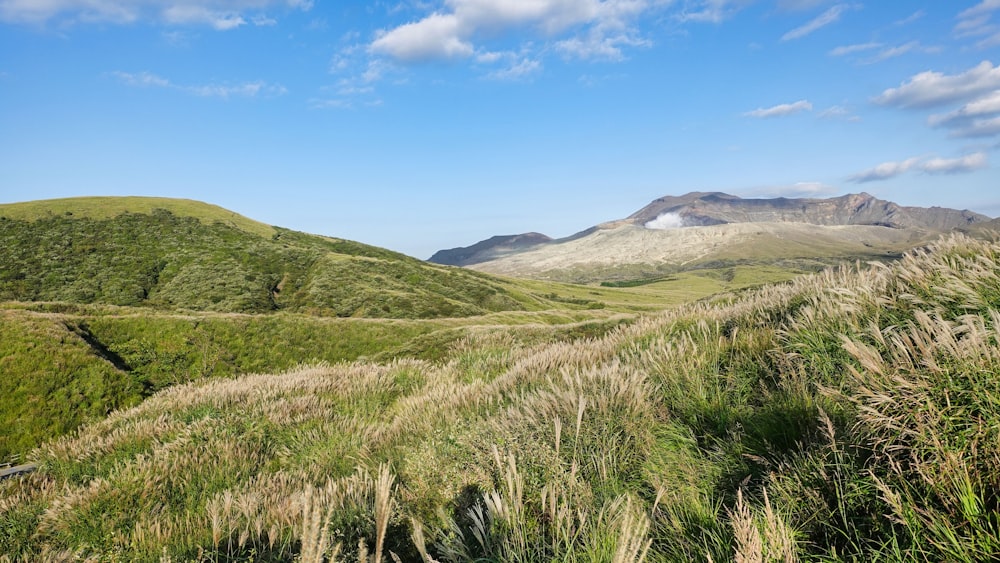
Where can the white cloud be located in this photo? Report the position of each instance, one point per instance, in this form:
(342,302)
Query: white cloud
(225,91)
(931,165)
(900,50)
(438,36)
(710,11)
(857,48)
(188,14)
(517,71)
(219,14)
(984,7)
(141,79)
(454,32)
(919,14)
(986,105)
(780,110)
(975,22)
(931,88)
(884,171)
(828,17)
(597,46)
(967,163)
(838,112)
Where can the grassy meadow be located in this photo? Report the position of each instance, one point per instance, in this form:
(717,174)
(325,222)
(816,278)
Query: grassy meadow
(848,415)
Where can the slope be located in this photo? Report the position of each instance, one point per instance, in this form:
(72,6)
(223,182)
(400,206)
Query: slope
(851,415)
(181,254)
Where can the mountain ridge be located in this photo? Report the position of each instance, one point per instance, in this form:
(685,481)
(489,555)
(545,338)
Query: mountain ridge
(666,235)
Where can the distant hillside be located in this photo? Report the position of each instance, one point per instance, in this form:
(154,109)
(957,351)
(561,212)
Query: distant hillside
(181,254)
(701,230)
(489,249)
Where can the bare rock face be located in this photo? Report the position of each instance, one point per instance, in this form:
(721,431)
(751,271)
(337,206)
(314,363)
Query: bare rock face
(700,209)
(705,226)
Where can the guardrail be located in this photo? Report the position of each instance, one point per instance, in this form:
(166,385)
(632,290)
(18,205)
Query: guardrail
(8,470)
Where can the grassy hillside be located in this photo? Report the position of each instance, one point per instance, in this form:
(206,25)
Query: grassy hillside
(65,364)
(182,254)
(852,415)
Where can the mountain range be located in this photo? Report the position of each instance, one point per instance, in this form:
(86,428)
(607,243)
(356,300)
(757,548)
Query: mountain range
(708,229)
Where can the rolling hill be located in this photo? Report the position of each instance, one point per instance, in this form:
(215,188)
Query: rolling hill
(180,254)
(709,230)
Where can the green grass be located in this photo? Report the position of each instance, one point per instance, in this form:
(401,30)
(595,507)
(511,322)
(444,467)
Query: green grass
(111,207)
(850,415)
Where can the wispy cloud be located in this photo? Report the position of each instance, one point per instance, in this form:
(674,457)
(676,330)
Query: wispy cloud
(710,11)
(828,17)
(856,48)
(519,70)
(900,50)
(929,89)
(928,165)
(224,91)
(218,14)
(976,22)
(839,112)
(781,110)
(919,14)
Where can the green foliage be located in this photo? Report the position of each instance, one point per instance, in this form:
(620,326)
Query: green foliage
(166,260)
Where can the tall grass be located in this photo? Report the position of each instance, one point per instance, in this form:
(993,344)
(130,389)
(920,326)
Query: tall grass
(850,415)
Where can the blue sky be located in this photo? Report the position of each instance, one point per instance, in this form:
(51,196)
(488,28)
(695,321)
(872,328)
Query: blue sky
(425,125)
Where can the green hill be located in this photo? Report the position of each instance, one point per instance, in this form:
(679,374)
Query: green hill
(180,254)
(850,415)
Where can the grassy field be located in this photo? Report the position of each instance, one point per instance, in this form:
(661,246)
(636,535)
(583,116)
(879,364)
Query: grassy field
(105,301)
(849,415)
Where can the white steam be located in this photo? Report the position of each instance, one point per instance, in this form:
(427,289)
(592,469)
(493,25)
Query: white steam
(666,221)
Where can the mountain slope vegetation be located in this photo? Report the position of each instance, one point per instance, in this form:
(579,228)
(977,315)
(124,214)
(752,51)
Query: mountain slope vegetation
(187,255)
(849,415)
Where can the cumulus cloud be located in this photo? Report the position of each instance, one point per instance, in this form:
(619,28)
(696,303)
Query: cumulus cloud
(928,89)
(219,14)
(932,165)
(224,91)
(780,110)
(454,32)
(828,17)
(438,36)
(666,221)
